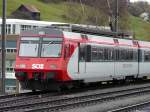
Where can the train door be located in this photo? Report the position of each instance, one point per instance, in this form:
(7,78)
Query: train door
(116,59)
(82,58)
(116,56)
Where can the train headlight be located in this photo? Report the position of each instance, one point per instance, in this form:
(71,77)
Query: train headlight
(22,66)
(53,66)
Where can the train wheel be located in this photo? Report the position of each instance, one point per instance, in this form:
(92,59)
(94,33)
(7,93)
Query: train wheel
(129,79)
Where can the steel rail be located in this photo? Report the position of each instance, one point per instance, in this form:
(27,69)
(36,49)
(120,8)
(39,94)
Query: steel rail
(24,98)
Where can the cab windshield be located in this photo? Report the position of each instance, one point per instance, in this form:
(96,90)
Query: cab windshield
(40,47)
(51,47)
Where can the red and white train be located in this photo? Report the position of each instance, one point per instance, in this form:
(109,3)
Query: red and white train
(49,58)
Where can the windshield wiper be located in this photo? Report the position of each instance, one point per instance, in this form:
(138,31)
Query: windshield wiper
(51,42)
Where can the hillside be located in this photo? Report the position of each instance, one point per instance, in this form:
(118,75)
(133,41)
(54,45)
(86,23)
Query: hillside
(49,12)
(56,12)
(140,28)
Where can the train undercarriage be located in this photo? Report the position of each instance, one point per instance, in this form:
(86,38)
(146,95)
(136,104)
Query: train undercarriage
(54,85)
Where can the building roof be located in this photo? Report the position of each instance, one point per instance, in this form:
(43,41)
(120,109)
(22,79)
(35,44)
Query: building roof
(31,8)
(30,22)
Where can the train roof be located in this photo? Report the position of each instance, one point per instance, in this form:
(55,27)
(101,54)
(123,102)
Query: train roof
(100,39)
(74,30)
(144,44)
(50,32)
(94,30)
(56,32)
(97,31)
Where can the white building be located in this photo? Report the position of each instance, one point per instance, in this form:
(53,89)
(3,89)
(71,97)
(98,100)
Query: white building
(15,26)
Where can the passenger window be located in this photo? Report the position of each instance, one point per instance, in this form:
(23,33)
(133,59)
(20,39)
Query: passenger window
(82,52)
(106,57)
(94,53)
(126,54)
(147,55)
(88,53)
(111,54)
(100,54)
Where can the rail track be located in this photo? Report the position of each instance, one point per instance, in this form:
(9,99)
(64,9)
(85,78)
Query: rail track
(6,100)
(132,108)
(65,102)
(21,94)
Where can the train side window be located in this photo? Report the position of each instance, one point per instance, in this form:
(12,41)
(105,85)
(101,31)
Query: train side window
(106,57)
(131,55)
(14,29)
(82,53)
(146,55)
(135,55)
(111,54)
(94,53)
(88,53)
(122,54)
(140,55)
(117,54)
(126,55)
(85,53)
(100,54)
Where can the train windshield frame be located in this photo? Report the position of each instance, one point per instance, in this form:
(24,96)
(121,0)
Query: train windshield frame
(40,47)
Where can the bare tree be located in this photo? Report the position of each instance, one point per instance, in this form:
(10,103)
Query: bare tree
(97,12)
(139,7)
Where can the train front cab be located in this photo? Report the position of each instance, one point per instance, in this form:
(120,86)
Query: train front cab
(40,61)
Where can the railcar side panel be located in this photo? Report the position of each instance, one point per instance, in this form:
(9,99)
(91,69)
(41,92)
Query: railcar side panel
(98,71)
(144,69)
(144,62)
(123,69)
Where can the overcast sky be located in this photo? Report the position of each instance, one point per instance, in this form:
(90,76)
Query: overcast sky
(140,0)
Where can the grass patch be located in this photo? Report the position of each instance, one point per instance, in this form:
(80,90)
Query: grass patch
(49,12)
(140,28)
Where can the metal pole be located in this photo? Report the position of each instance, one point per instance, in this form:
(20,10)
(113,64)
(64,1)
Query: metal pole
(116,17)
(3,44)
(111,16)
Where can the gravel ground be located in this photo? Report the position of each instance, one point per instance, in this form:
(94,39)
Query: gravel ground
(147,109)
(105,107)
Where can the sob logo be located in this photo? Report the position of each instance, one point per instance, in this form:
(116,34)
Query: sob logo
(37,66)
